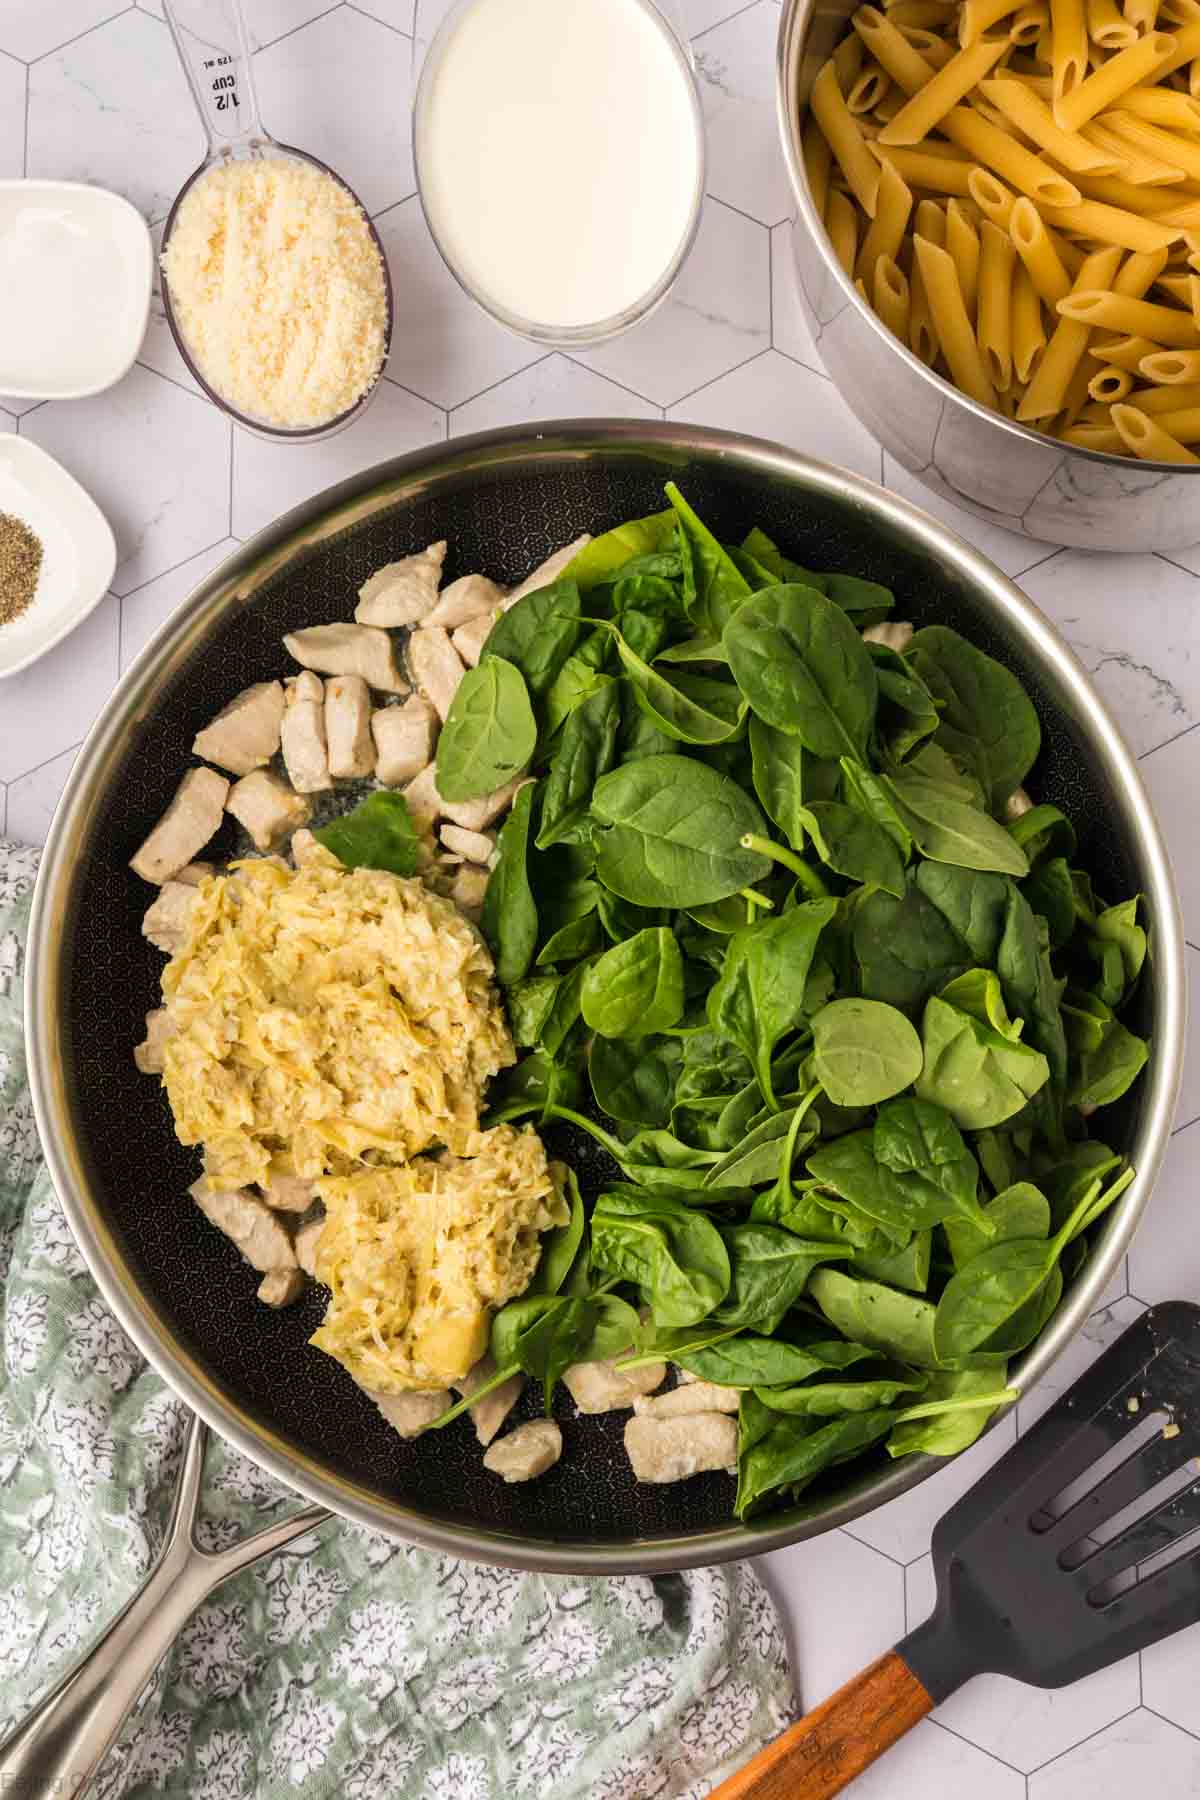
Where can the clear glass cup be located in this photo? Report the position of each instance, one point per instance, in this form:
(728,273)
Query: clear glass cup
(214,48)
(433,25)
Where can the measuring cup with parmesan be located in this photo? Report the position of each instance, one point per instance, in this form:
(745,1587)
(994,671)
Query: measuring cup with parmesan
(559,153)
(275,284)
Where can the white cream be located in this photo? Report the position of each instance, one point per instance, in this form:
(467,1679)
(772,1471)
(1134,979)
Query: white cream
(560,156)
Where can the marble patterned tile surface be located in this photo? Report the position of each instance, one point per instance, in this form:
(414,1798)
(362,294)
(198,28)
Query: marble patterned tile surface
(90,89)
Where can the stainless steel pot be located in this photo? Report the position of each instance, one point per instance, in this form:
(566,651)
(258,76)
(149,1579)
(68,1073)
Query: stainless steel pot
(503,500)
(1002,471)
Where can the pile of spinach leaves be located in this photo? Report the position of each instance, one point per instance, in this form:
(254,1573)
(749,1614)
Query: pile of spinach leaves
(766,929)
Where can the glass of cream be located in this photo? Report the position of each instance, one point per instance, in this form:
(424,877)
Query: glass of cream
(559,152)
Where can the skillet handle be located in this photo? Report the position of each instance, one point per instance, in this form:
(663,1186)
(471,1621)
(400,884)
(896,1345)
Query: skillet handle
(59,1746)
(837,1741)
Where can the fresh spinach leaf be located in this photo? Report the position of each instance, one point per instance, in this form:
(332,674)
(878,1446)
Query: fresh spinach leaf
(769,1272)
(777,760)
(947,1433)
(510,918)
(606,556)
(759,994)
(749,1359)
(804,669)
(979,1077)
(831,1399)
(987,719)
(669,833)
(790,1454)
(633,1078)
(586,752)
(675,1256)
(377,834)
(561,1245)
(948,830)
(984,1294)
(864,1051)
(1020,1211)
(865,1312)
(906,949)
(530,1088)
(490,734)
(714,588)
(636,988)
(853,845)
(578,937)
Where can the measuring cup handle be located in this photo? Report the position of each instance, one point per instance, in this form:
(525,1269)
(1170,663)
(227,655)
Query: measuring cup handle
(214,48)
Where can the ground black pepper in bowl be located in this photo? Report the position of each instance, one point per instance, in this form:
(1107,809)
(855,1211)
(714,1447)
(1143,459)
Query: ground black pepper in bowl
(20,565)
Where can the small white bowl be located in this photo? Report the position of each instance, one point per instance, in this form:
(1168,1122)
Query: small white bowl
(79,552)
(76,274)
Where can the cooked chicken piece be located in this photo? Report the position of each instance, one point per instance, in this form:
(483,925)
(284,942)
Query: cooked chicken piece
(468,891)
(305,1244)
(193,816)
(245,734)
(477,815)
(401,593)
(435,666)
(548,571)
(302,734)
(411,1414)
(280,1287)
(404,739)
(600,1387)
(193,873)
(267,807)
(472,846)
(348,650)
(674,1449)
(489,1414)
(470,597)
(288,1193)
(470,638)
(306,850)
(248,1222)
(895,633)
(692,1397)
(526,1452)
(165,921)
(425,804)
(1017,805)
(148,1055)
(348,726)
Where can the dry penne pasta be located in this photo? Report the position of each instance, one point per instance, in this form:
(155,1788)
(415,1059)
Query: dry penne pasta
(1129,67)
(1109,384)
(1142,14)
(891,296)
(1177,286)
(1029,22)
(1046,394)
(1108,27)
(922,333)
(1170,146)
(818,160)
(962,243)
(1068,47)
(893,205)
(1030,114)
(1163,106)
(1138,273)
(1167,325)
(931,103)
(955,332)
(1028,331)
(978,16)
(990,195)
(841,222)
(1113,225)
(993,318)
(1183,424)
(930,15)
(1155,400)
(1033,244)
(931,222)
(1139,167)
(847,60)
(936,174)
(1146,438)
(845,139)
(868,89)
(1126,352)
(989,145)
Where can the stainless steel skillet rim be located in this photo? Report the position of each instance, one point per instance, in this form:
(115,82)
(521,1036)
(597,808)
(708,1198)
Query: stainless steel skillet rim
(234,583)
(794,23)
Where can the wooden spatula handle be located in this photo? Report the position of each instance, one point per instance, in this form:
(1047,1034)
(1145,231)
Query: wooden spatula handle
(836,1742)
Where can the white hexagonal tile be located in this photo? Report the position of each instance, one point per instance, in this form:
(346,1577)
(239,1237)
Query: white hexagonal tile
(789,326)
(933,1763)
(1008,549)
(33,797)
(717,314)
(902,1528)
(1140,1754)
(1164,1257)
(396,13)
(269,479)
(148,607)
(30,28)
(1101,605)
(701,15)
(735,63)
(828,1640)
(773,397)
(114,108)
(78,675)
(1022,1725)
(555,388)
(155,460)
(1169,1684)
(1169,773)
(12,116)
(444,346)
(267,20)
(339,88)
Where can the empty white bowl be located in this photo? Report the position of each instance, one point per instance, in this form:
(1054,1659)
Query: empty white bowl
(79,552)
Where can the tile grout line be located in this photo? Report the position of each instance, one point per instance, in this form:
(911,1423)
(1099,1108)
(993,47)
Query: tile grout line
(725,373)
(1091,1736)
(963,1739)
(492,385)
(270,43)
(1167,742)
(57,49)
(350,7)
(71,749)
(738,13)
(656,405)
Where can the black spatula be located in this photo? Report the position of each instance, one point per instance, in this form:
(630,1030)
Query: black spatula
(1081,1546)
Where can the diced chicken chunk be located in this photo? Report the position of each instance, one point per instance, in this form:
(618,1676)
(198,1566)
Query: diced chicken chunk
(305,1245)
(348,726)
(160,1028)
(266,807)
(600,1387)
(896,634)
(477,815)
(468,891)
(1017,805)
(470,597)
(280,1287)
(348,650)
(526,1452)
(302,735)
(548,571)
(193,873)
(248,1222)
(307,851)
(165,920)
(245,734)
(692,1397)
(474,846)
(288,1193)
(193,817)
(424,802)
(489,1414)
(435,666)
(411,1414)
(401,593)
(675,1449)
(470,638)
(404,739)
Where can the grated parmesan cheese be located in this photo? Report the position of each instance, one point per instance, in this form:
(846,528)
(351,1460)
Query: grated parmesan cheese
(278,289)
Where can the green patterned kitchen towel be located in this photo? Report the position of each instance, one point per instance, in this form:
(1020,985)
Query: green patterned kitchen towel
(347,1664)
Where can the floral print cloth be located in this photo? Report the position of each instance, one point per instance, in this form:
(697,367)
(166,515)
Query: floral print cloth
(347,1664)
